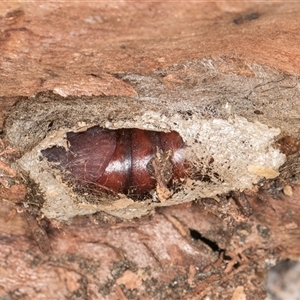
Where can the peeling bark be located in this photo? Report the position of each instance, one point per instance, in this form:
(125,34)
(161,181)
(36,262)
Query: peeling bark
(223,59)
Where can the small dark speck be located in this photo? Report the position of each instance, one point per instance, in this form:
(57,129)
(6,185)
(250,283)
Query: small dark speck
(252,16)
(238,20)
(50,125)
(42,81)
(189,113)
(123,47)
(258,112)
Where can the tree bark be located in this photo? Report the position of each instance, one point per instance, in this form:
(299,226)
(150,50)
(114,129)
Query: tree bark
(215,53)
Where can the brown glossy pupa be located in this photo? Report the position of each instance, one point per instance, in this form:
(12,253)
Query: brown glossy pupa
(131,161)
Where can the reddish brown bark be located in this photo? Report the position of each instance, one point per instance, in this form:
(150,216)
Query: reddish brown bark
(182,252)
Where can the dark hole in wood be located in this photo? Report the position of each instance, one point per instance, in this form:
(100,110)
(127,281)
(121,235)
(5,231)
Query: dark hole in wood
(196,235)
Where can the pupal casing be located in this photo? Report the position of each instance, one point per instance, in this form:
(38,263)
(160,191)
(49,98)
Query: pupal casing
(209,156)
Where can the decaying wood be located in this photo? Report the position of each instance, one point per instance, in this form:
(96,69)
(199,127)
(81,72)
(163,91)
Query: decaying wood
(219,247)
(184,251)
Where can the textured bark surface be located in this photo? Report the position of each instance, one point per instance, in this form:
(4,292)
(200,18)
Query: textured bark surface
(211,247)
